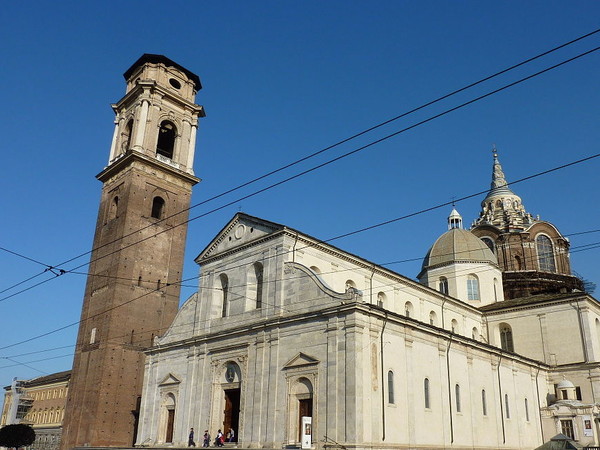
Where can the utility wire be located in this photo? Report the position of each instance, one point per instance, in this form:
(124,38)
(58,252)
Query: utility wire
(338,143)
(347,154)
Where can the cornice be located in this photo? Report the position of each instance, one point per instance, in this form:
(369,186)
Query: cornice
(132,156)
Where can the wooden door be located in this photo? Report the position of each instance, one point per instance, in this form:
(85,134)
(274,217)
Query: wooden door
(227,414)
(304,410)
(170,422)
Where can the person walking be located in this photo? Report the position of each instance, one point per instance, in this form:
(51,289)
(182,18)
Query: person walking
(219,438)
(191,442)
(206,437)
(230,435)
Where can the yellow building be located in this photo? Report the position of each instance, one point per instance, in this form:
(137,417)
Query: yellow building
(39,402)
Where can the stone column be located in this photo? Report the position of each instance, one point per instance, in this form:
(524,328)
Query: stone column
(113,145)
(140,133)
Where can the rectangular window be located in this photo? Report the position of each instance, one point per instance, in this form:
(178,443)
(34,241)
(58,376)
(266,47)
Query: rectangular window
(567,428)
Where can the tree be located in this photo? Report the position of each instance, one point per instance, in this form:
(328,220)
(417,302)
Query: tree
(15,436)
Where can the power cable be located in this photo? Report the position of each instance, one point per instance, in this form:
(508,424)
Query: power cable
(326,163)
(487,78)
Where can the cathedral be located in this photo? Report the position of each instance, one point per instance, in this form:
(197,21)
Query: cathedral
(291,342)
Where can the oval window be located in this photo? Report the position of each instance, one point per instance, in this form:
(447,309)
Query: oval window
(173,82)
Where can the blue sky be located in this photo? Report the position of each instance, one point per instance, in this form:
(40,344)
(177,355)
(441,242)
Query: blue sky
(282,80)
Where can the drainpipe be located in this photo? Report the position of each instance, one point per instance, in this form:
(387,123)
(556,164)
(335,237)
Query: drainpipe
(371,285)
(443,301)
(294,248)
(537,391)
(501,402)
(542,338)
(383,379)
(449,389)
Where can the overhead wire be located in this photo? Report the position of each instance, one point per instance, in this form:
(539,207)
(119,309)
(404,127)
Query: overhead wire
(480,81)
(368,145)
(394,284)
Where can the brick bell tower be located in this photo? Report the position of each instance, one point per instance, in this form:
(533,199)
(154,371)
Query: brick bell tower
(132,291)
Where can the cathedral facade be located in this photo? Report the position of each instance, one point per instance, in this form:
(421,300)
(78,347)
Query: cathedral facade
(286,327)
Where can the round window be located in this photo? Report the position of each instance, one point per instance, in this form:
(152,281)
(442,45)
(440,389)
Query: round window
(173,82)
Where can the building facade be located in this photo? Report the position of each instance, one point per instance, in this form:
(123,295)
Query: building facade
(285,327)
(40,403)
(132,292)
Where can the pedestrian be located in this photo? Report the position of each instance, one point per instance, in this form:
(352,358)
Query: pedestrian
(230,435)
(206,436)
(219,439)
(191,442)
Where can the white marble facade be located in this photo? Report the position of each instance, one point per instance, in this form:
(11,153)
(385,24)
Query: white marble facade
(284,326)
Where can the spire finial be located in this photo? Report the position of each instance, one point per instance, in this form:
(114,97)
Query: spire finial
(494,151)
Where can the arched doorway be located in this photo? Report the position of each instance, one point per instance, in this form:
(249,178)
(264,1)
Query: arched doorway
(301,405)
(167,418)
(231,385)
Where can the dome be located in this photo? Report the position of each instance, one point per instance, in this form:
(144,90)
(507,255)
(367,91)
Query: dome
(565,384)
(458,245)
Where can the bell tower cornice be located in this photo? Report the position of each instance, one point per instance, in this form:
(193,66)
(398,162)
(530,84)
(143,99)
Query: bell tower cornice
(132,158)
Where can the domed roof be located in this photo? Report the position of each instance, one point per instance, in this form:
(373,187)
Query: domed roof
(565,384)
(458,245)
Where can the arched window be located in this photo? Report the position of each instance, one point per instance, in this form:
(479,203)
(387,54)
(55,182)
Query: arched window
(224,293)
(506,406)
(526,410)
(426,393)
(158,207)
(316,270)
(432,318)
(506,338)
(258,273)
(457,397)
(126,136)
(545,253)
(454,326)
(475,333)
(114,207)
(390,387)
(166,139)
(495,289)
(380,299)
(518,263)
(408,309)
(483,403)
(443,285)
(472,287)
(490,243)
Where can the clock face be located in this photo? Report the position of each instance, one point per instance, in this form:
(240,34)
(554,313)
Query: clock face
(230,373)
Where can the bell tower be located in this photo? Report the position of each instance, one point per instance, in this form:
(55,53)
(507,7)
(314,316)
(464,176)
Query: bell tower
(132,291)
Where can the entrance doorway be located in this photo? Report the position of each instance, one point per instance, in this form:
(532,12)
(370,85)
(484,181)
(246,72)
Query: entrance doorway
(304,410)
(231,413)
(170,422)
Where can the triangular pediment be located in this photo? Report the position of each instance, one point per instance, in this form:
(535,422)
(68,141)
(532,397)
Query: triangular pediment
(169,380)
(301,360)
(240,230)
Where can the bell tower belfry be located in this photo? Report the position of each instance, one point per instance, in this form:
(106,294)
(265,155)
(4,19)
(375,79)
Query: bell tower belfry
(132,291)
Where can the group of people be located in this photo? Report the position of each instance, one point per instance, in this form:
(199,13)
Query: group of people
(220,439)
